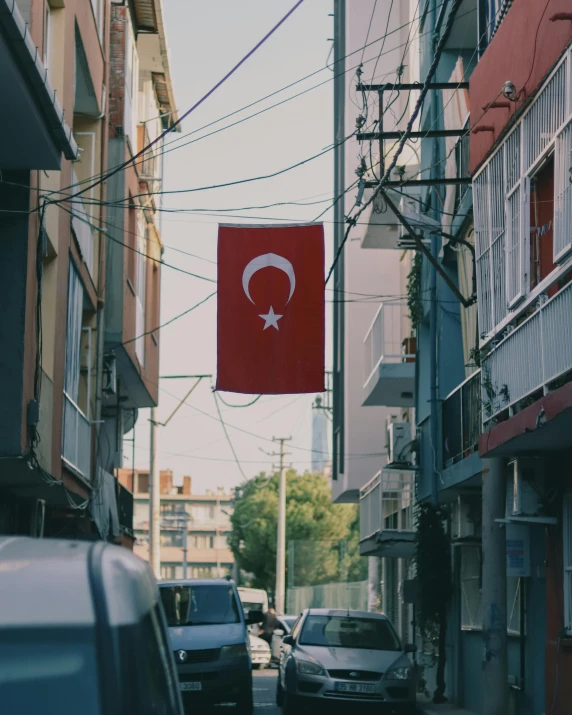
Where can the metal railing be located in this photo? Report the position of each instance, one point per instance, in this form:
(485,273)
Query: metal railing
(386,503)
(352,595)
(81,225)
(530,357)
(387,339)
(76,442)
(462,420)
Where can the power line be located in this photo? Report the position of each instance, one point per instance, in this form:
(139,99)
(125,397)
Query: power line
(222,422)
(211,91)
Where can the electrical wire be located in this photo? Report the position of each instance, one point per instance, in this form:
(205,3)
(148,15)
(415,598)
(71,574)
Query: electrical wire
(226,434)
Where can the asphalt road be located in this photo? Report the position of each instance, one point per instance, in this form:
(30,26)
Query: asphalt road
(264,686)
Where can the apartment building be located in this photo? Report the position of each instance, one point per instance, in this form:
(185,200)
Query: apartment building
(374,343)
(67,86)
(194,527)
(491,375)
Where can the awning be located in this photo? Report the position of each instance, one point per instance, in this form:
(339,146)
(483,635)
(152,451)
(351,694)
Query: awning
(32,125)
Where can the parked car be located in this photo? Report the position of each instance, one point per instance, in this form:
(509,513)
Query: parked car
(354,656)
(284,628)
(260,652)
(82,630)
(208,630)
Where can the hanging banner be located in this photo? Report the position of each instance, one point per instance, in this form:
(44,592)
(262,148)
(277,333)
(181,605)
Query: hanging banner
(271,312)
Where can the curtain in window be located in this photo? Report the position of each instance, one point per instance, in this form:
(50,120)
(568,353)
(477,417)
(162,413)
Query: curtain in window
(73,334)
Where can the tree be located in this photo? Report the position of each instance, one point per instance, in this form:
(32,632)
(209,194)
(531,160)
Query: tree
(325,535)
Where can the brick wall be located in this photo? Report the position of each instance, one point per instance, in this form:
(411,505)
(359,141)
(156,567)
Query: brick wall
(117,70)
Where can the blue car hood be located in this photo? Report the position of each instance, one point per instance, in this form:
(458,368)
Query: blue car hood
(206,637)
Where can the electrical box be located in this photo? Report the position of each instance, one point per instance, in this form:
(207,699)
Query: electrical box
(399,442)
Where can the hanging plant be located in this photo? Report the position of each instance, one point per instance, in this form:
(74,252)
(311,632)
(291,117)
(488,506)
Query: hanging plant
(414,292)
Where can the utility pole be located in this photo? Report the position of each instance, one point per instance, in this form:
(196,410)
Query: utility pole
(154,498)
(495,653)
(281,540)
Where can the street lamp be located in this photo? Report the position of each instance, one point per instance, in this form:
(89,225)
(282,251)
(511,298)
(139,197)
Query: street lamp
(178,522)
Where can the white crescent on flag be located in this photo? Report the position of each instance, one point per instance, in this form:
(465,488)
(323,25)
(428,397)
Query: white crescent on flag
(268,260)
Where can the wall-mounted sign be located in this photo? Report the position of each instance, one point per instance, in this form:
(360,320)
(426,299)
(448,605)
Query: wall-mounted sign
(517,550)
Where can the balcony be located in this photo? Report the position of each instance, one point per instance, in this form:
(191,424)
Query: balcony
(76,442)
(81,226)
(386,515)
(462,421)
(389,358)
(530,360)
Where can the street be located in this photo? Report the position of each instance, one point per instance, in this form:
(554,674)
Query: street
(264,685)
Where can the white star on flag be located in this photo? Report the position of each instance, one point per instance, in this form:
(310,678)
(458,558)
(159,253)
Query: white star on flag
(271,319)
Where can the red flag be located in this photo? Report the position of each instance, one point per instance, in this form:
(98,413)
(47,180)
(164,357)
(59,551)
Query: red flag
(270,325)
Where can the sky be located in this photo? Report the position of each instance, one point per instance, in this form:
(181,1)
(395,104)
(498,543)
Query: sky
(205,41)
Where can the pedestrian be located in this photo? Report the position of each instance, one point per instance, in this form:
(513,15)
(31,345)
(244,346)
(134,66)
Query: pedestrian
(269,625)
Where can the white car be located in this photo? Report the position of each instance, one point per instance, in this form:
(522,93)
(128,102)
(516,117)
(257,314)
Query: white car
(345,656)
(260,652)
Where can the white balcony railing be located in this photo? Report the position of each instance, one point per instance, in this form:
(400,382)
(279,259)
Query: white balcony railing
(76,442)
(388,339)
(81,224)
(386,503)
(529,358)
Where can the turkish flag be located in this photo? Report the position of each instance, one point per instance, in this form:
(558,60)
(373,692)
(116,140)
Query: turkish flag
(270,325)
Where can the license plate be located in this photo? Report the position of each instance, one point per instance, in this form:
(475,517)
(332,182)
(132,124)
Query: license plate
(192,686)
(354,688)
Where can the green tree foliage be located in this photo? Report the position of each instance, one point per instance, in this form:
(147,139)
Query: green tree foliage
(325,535)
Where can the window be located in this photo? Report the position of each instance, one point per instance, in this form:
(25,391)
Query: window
(48,37)
(158,678)
(203,512)
(199,605)
(49,665)
(349,632)
(567,558)
(73,335)
(523,207)
(140,514)
(140,289)
(131,88)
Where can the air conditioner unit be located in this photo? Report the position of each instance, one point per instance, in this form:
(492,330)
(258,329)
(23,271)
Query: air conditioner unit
(399,442)
(524,486)
(465,521)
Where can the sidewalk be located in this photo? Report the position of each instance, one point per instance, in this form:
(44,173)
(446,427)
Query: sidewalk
(426,707)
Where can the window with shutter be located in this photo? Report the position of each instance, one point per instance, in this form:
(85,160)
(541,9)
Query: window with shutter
(563,194)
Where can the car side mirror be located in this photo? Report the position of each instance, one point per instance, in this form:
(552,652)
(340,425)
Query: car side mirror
(288,640)
(410,648)
(278,632)
(254,617)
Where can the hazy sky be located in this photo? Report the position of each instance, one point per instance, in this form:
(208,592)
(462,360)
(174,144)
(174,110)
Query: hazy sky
(206,40)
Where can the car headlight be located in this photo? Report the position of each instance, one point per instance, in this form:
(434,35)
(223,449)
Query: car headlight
(309,667)
(234,651)
(401,673)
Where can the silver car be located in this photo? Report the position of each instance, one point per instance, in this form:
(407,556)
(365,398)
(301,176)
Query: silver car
(354,656)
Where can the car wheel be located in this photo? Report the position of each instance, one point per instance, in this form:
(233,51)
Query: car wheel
(245,704)
(279,693)
(291,704)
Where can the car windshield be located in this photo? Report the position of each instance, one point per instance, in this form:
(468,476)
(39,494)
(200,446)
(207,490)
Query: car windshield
(349,632)
(289,621)
(201,605)
(248,606)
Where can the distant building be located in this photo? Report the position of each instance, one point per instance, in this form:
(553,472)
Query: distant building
(208,526)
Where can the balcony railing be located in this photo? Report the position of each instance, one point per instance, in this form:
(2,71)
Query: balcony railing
(76,442)
(530,358)
(386,511)
(387,339)
(81,225)
(462,420)
(389,358)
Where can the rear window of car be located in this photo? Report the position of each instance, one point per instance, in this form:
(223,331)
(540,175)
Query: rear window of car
(200,605)
(349,632)
(53,668)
